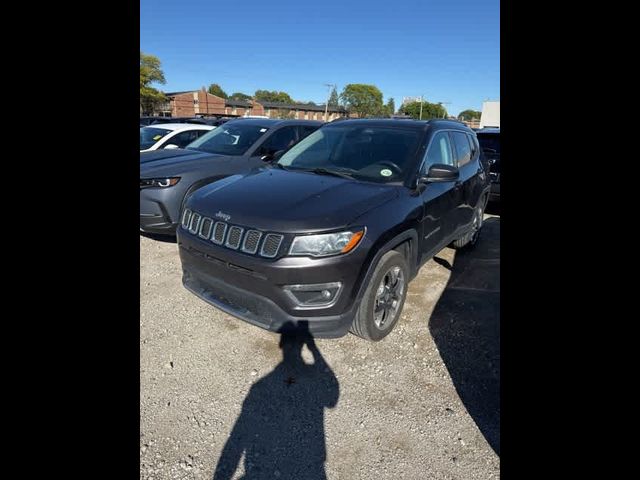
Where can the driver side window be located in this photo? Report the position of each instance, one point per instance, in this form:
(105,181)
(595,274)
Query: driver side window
(280,140)
(439,152)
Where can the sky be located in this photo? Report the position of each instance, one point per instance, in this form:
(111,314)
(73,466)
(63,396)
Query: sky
(445,50)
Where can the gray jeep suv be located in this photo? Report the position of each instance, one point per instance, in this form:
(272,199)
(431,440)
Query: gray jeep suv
(328,238)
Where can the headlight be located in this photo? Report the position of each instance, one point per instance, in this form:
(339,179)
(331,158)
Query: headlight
(326,244)
(159,182)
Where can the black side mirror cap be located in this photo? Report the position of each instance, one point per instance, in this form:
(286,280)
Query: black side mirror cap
(440,173)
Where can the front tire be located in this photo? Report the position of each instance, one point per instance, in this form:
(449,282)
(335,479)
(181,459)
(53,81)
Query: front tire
(383,298)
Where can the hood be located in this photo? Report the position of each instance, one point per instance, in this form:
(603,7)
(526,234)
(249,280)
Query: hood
(289,202)
(171,162)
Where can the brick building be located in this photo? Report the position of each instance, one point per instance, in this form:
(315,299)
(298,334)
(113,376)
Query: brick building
(473,123)
(201,102)
(301,111)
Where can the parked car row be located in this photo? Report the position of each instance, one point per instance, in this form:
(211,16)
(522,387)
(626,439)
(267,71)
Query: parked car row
(213,121)
(295,224)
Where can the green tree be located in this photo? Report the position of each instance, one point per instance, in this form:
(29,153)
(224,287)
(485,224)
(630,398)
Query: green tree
(150,72)
(240,96)
(469,114)
(390,107)
(215,89)
(333,98)
(364,100)
(273,96)
(429,110)
(445,114)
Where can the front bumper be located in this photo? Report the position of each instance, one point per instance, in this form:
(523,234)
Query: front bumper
(250,288)
(159,210)
(159,224)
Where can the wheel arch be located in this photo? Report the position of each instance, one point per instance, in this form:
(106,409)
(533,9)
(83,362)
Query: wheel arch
(406,243)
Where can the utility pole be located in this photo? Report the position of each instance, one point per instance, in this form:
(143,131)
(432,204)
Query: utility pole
(326,104)
(420,107)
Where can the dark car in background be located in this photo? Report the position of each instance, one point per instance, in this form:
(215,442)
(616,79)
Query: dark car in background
(489,139)
(237,146)
(329,236)
(146,121)
(214,121)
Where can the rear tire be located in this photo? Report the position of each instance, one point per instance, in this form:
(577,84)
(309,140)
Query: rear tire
(383,299)
(469,239)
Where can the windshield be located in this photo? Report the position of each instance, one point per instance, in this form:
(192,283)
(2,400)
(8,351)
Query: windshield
(490,140)
(150,135)
(229,139)
(379,154)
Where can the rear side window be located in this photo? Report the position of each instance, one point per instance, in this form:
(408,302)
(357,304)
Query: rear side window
(473,141)
(462,147)
(439,151)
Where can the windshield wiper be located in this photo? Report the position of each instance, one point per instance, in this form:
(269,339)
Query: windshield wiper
(324,171)
(278,165)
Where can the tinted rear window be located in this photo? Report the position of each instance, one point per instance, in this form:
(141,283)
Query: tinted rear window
(489,140)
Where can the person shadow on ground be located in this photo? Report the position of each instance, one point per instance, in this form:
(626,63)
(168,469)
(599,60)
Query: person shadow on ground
(280,429)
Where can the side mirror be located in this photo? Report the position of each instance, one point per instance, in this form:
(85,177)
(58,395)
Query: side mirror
(440,173)
(171,146)
(272,157)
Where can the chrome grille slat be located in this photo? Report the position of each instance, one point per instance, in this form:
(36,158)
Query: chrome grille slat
(251,241)
(195,222)
(234,237)
(186,218)
(205,228)
(271,245)
(219,231)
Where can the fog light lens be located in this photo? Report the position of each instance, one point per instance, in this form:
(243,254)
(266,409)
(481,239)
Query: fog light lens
(314,295)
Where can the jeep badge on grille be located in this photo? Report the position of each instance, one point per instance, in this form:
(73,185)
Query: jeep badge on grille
(223,216)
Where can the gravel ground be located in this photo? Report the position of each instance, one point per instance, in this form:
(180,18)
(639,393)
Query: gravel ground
(421,404)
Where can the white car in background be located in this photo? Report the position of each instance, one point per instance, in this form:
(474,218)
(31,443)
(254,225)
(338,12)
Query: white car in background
(170,135)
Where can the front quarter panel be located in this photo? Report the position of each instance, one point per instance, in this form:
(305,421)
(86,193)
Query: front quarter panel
(385,223)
